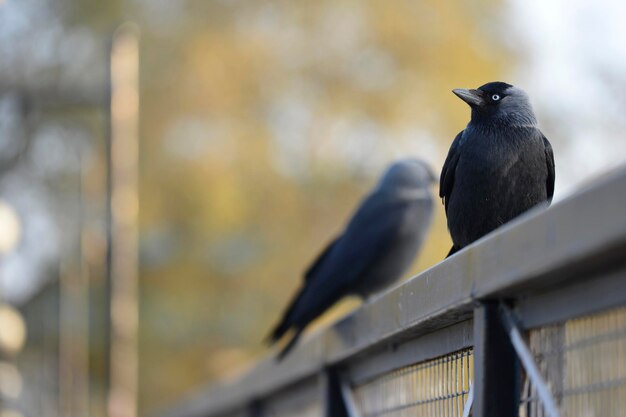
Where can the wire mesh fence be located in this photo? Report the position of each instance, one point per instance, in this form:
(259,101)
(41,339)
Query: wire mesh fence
(583,361)
(437,388)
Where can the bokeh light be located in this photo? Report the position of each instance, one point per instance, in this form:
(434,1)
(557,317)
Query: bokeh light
(12,330)
(10,381)
(10,228)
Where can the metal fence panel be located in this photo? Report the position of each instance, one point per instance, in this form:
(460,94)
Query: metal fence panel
(433,388)
(584,362)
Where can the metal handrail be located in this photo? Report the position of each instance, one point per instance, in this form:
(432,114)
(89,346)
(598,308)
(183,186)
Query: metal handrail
(541,250)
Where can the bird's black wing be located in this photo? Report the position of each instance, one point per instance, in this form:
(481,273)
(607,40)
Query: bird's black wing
(550,166)
(446,180)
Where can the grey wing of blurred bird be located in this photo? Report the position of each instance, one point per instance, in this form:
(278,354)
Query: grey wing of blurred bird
(369,234)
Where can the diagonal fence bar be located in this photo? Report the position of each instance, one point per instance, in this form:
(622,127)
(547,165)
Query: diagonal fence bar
(526,357)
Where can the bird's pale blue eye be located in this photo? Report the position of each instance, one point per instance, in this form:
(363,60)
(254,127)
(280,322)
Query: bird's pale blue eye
(495,97)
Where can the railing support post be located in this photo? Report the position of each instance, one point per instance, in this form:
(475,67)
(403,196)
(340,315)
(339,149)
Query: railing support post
(334,405)
(496,368)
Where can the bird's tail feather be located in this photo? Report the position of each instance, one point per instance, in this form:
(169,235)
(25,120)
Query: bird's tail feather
(284,351)
(277,332)
(285,323)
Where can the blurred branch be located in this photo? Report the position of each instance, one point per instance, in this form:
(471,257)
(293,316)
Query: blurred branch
(8,160)
(55,95)
(123,388)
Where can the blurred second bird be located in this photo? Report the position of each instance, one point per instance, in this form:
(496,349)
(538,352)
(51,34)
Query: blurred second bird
(377,246)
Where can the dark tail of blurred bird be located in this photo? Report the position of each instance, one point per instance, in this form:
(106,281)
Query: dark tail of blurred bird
(453,250)
(278,332)
(284,351)
(283,327)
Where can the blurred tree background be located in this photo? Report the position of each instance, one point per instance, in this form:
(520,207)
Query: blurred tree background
(262,124)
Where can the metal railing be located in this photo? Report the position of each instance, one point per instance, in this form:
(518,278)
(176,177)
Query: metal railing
(560,272)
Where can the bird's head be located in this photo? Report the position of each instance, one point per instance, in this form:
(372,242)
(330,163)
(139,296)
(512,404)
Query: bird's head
(407,173)
(500,102)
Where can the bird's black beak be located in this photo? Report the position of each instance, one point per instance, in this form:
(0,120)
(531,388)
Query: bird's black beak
(471,97)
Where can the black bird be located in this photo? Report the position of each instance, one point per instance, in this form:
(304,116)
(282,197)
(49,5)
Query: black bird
(375,249)
(500,166)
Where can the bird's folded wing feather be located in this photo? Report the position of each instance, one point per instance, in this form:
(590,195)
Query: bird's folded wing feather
(550,166)
(446,181)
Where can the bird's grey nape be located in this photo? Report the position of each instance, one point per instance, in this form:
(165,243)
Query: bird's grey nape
(515,109)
